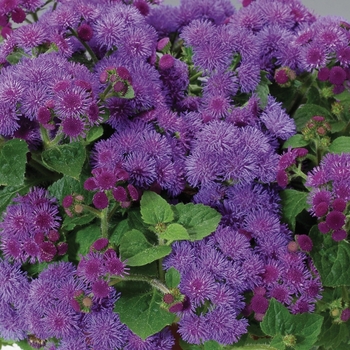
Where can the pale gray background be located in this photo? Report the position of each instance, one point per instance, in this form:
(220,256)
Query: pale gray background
(321,7)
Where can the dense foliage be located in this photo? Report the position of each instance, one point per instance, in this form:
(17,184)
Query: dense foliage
(174,177)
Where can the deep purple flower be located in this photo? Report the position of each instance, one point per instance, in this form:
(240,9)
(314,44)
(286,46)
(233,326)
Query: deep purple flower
(335,220)
(73,128)
(345,315)
(259,304)
(100,200)
(100,289)
(337,75)
(281,293)
(305,243)
(91,267)
(339,235)
(100,244)
(85,32)
(323,74)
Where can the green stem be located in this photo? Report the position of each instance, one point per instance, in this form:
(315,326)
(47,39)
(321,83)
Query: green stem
(141,278)
(195,76)
(300,95)
(44,136)
(35,16)
(86,46)
(299,172)
(161,272)
(104,222)
(112,211)
(91,210)
(104,94)
(56,140)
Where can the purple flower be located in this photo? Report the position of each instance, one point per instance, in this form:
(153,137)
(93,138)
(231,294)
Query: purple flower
(12,323)
(248,76)
(198,29)
(105,331)
(232,244)
(224,327)
(30,35)
(313,56)
(261,223)
(61,322)
(277,121)
(198,285)
(193,329)
(137,42)
(181,256)
(91,267)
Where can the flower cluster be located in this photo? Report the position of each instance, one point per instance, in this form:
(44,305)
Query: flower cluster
(72,305)
(330,195)
(251,251)
(50,92)
(29,229)
(185,102)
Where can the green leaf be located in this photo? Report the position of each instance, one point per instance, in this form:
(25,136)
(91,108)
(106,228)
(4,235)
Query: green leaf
(149,255)
(343,96)
(186,346)
(66,186)
(340,145)
(276,319)
(67,159)
(212,345)
(79,241)
(198,219)
(14,57)
(119,231)
(296,141)
(332,259)
(313,96)
(13,159)
(141,312)
(24,345)
(9,192)
(277,342)
(337,126)
(155,209)
(172,278)
(305,112)
(132,243)
(94,133)
(279,322)
(332,334)
(175,232)
(263,90)
(293,203)
(69,223)
(130,93)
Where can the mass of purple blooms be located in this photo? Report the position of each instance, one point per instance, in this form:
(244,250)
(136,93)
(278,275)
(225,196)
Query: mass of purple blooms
(175,124)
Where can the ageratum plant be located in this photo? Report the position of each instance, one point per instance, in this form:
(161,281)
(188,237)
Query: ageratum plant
(174,177)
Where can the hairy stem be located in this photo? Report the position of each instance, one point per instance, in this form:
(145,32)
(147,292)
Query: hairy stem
(86,46)
(141,278)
